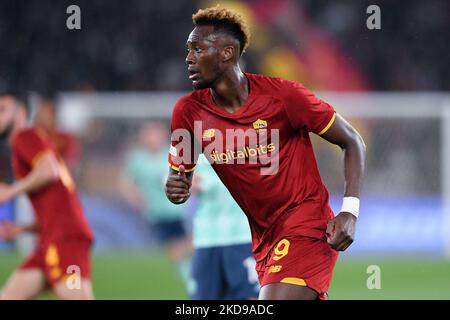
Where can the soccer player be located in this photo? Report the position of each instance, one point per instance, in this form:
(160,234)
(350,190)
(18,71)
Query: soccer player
(141,181)
(222,266)
(275,180)
(62,256)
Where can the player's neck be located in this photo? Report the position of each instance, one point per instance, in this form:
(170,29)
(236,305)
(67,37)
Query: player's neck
(231,91)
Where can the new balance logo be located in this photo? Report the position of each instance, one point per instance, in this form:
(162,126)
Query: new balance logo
(275,268)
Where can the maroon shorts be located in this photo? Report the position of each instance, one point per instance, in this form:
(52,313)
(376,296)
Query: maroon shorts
(60,259)
(301,261)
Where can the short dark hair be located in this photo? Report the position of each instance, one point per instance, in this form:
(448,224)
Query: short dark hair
(20,96)
(224,20)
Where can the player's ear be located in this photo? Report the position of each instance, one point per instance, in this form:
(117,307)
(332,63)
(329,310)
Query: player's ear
(228,53)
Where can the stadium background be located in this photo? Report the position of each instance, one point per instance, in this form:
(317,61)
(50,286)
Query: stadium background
(126,65)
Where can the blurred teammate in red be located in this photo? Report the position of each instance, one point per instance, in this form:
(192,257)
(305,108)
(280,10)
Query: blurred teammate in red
(255,130)
(62,256)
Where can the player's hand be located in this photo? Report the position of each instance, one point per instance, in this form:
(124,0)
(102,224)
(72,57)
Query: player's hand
(178,186)
(341,231)
(6,192)
(9,230)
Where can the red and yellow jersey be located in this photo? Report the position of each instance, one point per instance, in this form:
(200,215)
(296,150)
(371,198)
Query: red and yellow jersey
(59,213)
(263,155)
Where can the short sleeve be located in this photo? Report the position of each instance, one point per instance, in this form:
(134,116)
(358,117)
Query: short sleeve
(183,150)
(30,147)
(305,110)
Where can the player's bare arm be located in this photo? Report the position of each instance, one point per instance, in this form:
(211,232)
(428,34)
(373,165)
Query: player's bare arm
(341,230)
(10,230)
(178,185)
(45,171)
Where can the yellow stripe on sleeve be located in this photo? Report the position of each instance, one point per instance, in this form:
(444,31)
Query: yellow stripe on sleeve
(296,281)
(328,125)
(178,169)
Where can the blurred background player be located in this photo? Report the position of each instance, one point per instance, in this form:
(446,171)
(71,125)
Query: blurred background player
(66,145)
(141,183)
(62,254)
(223,267)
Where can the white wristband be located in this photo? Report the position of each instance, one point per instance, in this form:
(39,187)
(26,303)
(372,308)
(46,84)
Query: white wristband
(351,205)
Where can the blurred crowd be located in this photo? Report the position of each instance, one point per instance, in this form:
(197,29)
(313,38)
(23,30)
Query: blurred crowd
(140,45)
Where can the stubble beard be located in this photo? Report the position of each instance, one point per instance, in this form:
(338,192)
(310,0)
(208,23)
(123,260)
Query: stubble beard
(200,86)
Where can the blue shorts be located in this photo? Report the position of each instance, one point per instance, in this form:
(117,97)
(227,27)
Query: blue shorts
(167,231)
(224,273)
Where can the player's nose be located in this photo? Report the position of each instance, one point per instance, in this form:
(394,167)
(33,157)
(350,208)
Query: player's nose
(189,58)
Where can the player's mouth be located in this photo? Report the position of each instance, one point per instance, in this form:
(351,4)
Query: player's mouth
(193,75)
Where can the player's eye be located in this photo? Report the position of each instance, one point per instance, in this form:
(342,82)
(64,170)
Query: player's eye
(197,49)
